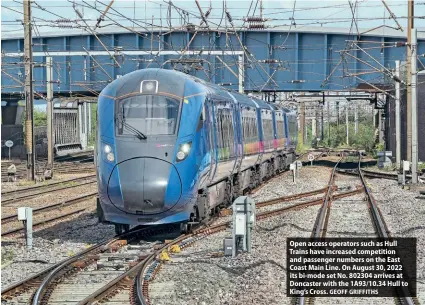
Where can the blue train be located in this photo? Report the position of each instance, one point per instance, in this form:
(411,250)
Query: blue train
(172,148)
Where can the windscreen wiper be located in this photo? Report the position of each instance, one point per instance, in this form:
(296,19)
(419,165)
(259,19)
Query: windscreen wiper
(140,135)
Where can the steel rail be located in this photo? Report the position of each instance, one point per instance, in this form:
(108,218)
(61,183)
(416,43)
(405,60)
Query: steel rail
(371,174)
(132,273)
(14,289)
(290,197)
(43,222)
(9,201)
(56,271)
(139,279)
(326,201)
(258,188)
(27,189)
(124,277)
(20,173)
(66,203)
(382,229)
(320,220)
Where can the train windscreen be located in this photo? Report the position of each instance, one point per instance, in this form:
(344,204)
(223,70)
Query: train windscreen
(147,115)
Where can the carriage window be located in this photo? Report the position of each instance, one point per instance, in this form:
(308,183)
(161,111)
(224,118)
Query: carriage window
(268,129)
(250,129)
(225,134)
(280,129)
(150,114)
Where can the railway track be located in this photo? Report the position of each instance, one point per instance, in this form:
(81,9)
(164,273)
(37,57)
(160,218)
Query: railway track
(37,211)
(370,174)
(59,168)
(140,288)
(274,178)
(32,283)
(374,174)
(322,220)
(37,284)
(125,280)
(39,224)
(41,190)
(38,187)
(135,280)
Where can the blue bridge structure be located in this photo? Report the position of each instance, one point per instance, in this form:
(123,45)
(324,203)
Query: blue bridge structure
(277,59)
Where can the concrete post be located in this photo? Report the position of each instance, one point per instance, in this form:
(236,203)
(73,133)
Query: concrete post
(414,104)
(410,25)
(397,116)
(50,144)
(302,122)
(241,73)
(337,114)
(29,93)
(381,134)
(322,125)
(356,118)
(329,125)
(347,123)
(314,125)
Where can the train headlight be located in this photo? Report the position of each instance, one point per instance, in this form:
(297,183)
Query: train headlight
(184,151)
(110,157)
(107,149)
(108,153)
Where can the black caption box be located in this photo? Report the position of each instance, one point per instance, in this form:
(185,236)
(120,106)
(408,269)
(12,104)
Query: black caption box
(351,267)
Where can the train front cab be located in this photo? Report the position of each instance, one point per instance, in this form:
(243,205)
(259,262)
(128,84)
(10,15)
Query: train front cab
(147,157)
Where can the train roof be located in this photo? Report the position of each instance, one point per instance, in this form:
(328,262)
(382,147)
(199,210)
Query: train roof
(173,83)
(168,81)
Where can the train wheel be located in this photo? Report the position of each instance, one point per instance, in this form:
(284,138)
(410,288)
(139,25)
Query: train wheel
(118,228)
(184,228)
(121,228)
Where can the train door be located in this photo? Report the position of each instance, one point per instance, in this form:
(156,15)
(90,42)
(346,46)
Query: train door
(212,136)
(260,135)
(237,125)
(286,125)
(237,131)
(274,128)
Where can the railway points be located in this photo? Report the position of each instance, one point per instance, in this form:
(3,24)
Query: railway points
(134,133)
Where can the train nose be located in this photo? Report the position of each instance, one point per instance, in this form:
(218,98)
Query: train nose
(148,185)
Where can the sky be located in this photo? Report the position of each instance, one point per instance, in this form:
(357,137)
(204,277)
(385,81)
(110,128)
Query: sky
(48,15)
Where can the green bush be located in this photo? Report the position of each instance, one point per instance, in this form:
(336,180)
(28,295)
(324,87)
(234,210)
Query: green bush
(364,139)
(378,147)
(40,118)
(300,147)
